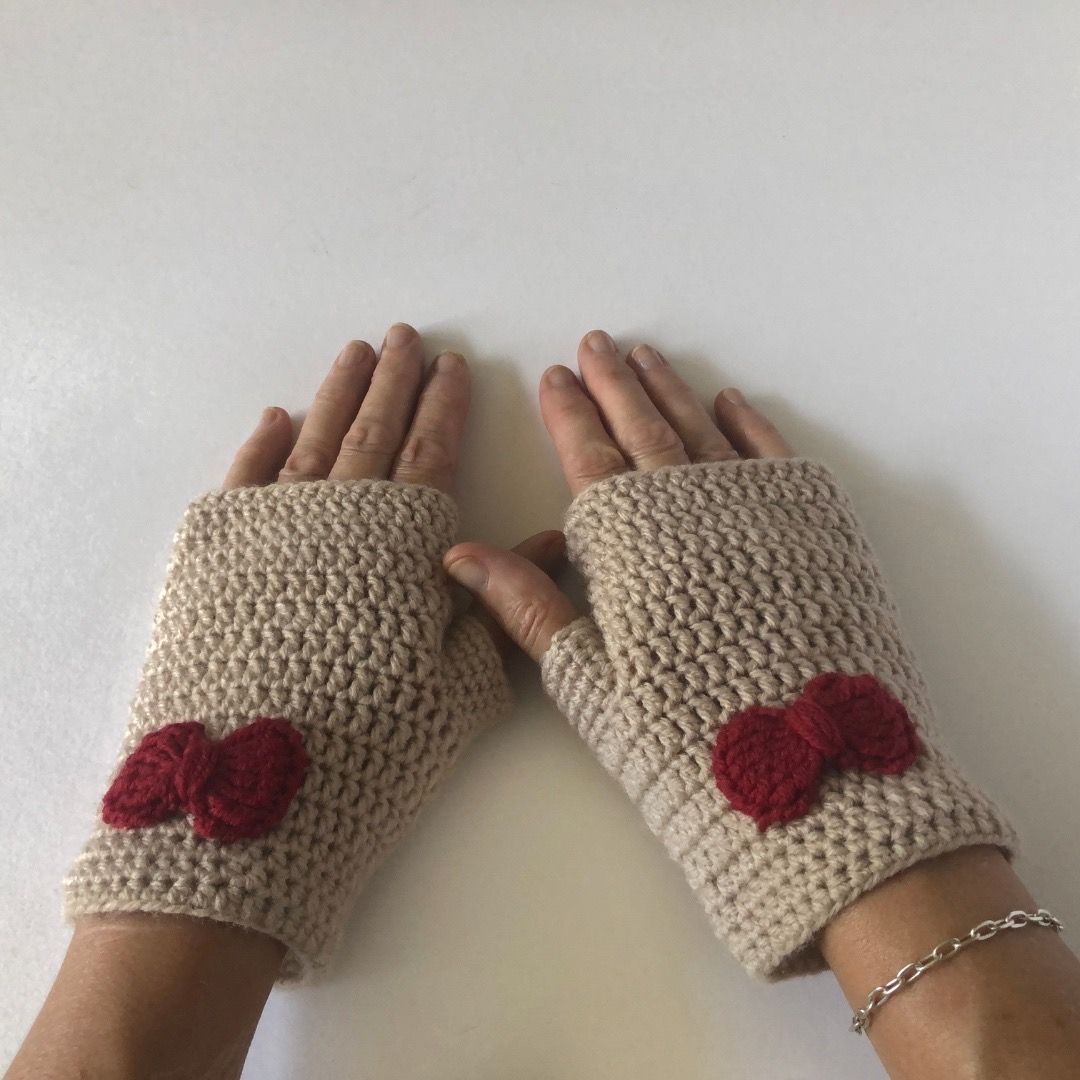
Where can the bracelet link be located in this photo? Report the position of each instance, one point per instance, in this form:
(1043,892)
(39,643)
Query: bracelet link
(945,950)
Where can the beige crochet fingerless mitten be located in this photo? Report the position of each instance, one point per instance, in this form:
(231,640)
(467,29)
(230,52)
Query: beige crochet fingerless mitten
(304,693)
(747,682)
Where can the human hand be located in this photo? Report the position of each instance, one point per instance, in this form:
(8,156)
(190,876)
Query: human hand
(306,604)
(623,414)
(379,418)
(167,991)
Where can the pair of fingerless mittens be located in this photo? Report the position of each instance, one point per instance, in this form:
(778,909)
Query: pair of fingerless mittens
(742,675)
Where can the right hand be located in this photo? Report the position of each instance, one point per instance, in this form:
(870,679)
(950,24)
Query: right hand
(621,415)
(379,416)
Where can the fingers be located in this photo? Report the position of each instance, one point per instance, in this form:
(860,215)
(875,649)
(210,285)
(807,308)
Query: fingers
(586,450)
(751,433)
(680,406)
(640,414)
(362,423)
(430,452)
(332,411)
(521,598)
(646,439)
(636,413)
(371,444)
(260,459)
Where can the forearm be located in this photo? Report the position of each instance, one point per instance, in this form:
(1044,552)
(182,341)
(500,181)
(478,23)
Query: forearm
(1007,1007)
(145,995)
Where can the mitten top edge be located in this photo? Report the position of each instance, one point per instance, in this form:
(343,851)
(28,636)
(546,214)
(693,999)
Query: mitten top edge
(720,473)
(302,491)
(387,512)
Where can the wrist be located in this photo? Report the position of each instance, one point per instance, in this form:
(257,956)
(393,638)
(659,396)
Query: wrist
(141,994)
(1006,1006)
(932,897)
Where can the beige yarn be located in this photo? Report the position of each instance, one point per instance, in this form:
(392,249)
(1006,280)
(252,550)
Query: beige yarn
(715,587)
(323,603)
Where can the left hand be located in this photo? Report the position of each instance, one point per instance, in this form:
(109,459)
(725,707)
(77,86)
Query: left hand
(623,414)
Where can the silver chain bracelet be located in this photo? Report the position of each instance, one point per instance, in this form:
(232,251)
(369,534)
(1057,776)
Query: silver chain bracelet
(1015,920)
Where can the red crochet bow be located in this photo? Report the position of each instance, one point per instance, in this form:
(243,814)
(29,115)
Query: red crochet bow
(237,788)
(768,762)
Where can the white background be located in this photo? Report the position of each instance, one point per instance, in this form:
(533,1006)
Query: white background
(863,214)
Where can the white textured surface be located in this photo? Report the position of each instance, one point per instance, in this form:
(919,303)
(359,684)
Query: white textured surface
(863,214)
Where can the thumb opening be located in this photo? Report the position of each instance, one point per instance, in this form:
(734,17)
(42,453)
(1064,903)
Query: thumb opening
(524,602)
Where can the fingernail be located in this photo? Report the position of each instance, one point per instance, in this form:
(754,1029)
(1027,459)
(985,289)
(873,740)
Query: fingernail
(599,341)
(560,377)
(449,361)
(400,334)
(470,573)
(351,355)
(733,395)
(269,415)
(645,358)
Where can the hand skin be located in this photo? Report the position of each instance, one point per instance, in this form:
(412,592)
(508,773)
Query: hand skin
(1009,1007)
(152,996)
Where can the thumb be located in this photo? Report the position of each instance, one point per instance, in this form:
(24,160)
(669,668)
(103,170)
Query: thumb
(521,598)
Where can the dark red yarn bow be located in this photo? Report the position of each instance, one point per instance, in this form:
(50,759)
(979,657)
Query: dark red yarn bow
(768,762)
(237,788)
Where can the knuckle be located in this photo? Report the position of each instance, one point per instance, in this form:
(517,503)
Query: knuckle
(248,458)
(370,438)
(308,460)
(527,619)
(597,460)
(403,362)
(652,437)
(760,427)
(607,367)
(714,452)
(426,452)
(326,398)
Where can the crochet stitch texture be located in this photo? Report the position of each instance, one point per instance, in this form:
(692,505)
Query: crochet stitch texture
(719,587)
(324,604)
